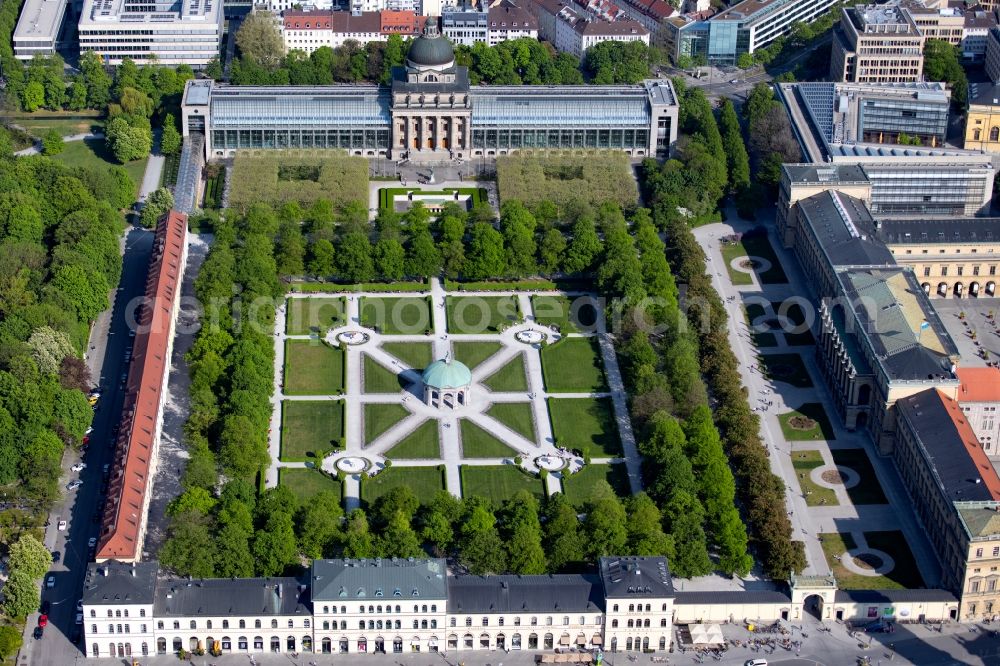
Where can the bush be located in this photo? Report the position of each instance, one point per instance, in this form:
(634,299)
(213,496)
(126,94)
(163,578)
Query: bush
(52,143)
(340,179)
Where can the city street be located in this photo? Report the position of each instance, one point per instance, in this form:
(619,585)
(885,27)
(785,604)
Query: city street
(79,508)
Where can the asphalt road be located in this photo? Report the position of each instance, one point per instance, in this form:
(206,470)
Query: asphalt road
(78,507)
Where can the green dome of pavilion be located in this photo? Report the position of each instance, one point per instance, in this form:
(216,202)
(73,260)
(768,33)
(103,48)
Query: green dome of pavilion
(447,375)
(430,49)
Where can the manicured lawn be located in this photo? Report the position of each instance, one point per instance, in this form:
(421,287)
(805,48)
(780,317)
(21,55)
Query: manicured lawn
(380,417)
(313,368)
(573,365)
(904,575)
(313,315)
(66,123)
(423,481)
(509,378)
(731,251)
(307,483)
(420,444)
(378,379)
(569,314)
(756,245)
(760,338)
(579,487)
(515,415)
(397,316)
(498,482)
(474,353)
(477,443)
(480,314)
(94,153)
(788,368)
(794,312)
(310,430)
(814,411)
(868,490)
(804,463)
(417,355)
(585,424)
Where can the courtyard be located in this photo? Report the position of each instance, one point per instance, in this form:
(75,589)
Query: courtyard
(356,412)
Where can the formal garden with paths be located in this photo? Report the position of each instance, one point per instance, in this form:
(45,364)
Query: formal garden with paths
(351,414)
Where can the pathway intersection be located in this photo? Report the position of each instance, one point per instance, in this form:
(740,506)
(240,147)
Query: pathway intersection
(361,457)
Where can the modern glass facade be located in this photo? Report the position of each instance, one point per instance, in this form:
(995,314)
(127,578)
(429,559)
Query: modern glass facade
(280,138)
(628,139)
(908,116)
(929,190)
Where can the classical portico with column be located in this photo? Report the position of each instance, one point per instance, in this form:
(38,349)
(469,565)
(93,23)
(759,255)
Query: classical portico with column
(431,109)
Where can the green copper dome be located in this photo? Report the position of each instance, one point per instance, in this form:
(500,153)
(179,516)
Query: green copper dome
(430,49)
(447,375)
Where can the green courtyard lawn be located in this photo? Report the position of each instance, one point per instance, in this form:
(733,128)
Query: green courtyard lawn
(794,312)
(585,424)
(788,368)
(420,444)
(804,462)
(472,353)
(760,338)
(378,379)
(477,443)
(311,430)
(868,490)
(404,315)
(515,415)
(579,487)
(67,123)
(570,314)
(313,315)
(498,482)
(481,314)
(423,481)
(510,378)
(379,417)
(417,355)
(313,367)
(94,153)
(808,422)
(387,195)
(756,245)
(306,483)
(573,365)
(904,575)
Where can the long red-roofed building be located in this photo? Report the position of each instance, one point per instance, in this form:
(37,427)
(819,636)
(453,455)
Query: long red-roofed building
(133,465)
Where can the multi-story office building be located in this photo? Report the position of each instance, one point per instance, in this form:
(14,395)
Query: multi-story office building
(652,14)
(876,44)
(975,33)
(465,27)
(378,607)
(510,21)
(430,112)
(979,398)
(38,28)
(745,27)
(570,28)
(164,32)
(956,495)
(982,121)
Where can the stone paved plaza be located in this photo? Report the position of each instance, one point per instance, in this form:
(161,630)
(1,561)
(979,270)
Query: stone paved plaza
(369,456)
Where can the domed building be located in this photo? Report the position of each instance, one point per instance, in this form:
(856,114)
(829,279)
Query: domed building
(447,383)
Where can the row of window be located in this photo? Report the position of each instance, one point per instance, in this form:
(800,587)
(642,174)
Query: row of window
(306,623)
(119,629)
(118,612)
(378,609)
(996,551)
(959,272)
(575,138)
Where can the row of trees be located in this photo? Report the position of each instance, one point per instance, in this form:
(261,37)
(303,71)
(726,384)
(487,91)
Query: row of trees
(942,63)
(263,61)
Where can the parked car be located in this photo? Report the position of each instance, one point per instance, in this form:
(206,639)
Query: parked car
(89,430)
(73,485)
(76,636)
(39,632)
(43,620)
(61,526)
(56,555)
(79,618)
(79,467)
(91,542)
(50,581)
(93,398)
(755,662)
(45,607)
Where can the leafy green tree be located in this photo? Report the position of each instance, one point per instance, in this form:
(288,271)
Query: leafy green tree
(399,500)
(158,204)
(551,251)
(389,258)
(563,542)
(190,546)
(645,531)
(10,641)
(737,161)
(520,244)
(29,555)
(522,534)
(437,530)
(605,526)
(213,69)
(96,80)
(193,499)
(127,142)
(399,539)
(48,348)
(234,559)
(355,257)
(242,447)
(33,97)
(260,41)
(170,140)
(52,143)
(274,548)
(319,524)
(321,258)
(20,595)
(422,257)
(358,540)
(584,246)
(941,63)
(290,249)
(486,256)
(481,549)
(683,519)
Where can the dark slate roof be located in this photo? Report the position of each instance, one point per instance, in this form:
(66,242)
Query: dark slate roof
(731,597)
(844,229)
(400,84)
(953,230)
(115,582)
(825,173)
(892,596)
(961,469)
(635,577)
(221,597)
(984,94)
(525,594)
(337,580)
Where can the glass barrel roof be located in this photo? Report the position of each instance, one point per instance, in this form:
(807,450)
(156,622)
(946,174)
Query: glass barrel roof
(572,107)
(310,107)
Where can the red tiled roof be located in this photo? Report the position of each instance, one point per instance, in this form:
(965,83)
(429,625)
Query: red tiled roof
(972,446)
(134,458)
(979,385)
(399,22)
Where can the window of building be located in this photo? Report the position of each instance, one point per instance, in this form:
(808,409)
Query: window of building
(225,624)
(979,552)
(208,624)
